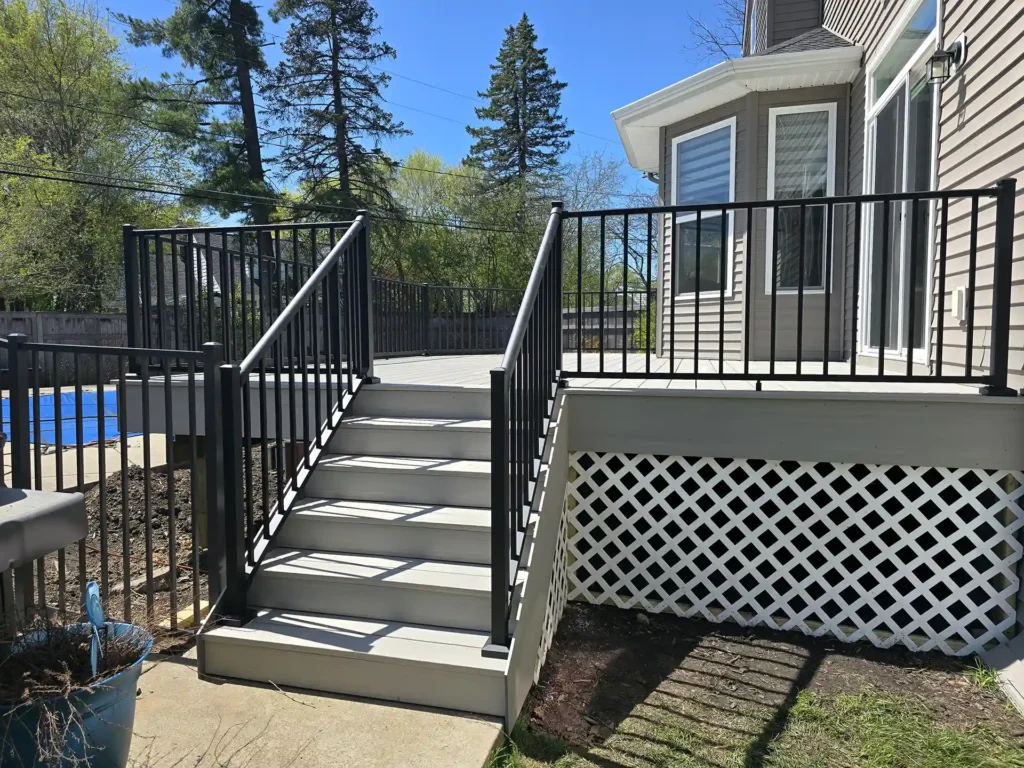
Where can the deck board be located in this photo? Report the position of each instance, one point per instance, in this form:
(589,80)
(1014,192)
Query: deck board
(473,372)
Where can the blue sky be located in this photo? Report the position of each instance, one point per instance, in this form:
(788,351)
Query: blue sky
(608,54)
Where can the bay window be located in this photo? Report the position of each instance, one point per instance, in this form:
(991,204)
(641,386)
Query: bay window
(801,165)
(703,171)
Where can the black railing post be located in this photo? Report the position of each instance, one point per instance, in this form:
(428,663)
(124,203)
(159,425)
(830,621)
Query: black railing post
(364,293)
(213,357)
(21,459)
(131,282)
(234,607)
(425,317)
(1001,283)
(500,520)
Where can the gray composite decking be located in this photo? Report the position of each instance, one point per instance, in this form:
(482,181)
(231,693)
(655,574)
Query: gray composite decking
(473,371)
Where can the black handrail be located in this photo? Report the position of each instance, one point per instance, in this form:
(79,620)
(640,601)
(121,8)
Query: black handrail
(796,316)
(320,351)
(523,388)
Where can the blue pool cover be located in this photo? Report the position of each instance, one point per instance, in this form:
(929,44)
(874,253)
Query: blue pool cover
(91,419)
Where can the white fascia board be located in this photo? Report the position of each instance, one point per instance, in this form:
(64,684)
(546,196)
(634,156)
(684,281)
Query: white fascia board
(638,124)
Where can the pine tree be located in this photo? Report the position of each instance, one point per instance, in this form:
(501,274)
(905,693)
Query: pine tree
(329,97)
(524,99)
(223,39)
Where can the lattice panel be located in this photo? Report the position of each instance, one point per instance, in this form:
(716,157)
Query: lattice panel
(921,556)
(558,593)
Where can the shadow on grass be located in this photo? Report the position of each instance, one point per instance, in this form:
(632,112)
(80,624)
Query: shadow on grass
(622,690)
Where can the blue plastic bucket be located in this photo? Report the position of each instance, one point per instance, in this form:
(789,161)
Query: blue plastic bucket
(104,715)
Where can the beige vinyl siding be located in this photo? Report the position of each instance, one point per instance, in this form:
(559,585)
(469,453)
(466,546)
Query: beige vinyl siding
(979,144)
(685,309)
(786,318)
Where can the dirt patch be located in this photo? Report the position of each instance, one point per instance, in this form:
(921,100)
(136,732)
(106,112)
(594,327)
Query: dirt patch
(610,669)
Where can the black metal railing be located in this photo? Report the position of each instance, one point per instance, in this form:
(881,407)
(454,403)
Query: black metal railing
(281,404)
(421,319)
(106,436)
(730,313)
(187,286)
(614,321)
(523,389)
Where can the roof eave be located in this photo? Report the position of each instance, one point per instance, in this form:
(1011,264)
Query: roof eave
(724,82)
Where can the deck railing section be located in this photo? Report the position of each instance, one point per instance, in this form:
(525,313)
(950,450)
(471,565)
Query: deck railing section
(281,404)
(148,510)
(187,286)
(523,389)
(798,314)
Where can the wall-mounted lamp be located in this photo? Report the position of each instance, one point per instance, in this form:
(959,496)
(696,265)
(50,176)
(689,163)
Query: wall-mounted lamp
(944,63)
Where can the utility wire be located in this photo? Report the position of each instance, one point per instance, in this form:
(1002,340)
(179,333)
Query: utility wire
(97,180)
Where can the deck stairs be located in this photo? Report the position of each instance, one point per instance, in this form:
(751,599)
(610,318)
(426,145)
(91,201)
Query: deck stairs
(379,582)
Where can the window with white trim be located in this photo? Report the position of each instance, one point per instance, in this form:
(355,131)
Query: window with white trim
(801,165)
(704,171)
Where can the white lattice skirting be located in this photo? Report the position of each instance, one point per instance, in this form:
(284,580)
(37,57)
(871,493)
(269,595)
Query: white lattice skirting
(919,556)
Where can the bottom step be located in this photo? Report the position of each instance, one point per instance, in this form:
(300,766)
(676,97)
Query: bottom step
(409,663)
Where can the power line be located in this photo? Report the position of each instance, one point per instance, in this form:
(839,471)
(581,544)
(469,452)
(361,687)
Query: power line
(463,96)
(136,185)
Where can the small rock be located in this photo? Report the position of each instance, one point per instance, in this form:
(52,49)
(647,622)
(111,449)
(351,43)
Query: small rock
(138,691)
(643,618)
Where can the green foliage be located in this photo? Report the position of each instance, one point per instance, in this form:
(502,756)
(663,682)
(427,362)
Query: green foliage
(982,675)
(524,98)
(67,107)
(223,40)
(327,99)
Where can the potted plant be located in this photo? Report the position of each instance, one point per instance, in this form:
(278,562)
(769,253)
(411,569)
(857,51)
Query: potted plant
(67,692)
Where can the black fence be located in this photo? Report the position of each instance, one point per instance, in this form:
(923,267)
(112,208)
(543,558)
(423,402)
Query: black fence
(799,315)
(523,388)
(147,503)
(282,403)
(187,286)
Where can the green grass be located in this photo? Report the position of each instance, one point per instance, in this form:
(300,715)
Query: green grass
(982,675)
(847,731)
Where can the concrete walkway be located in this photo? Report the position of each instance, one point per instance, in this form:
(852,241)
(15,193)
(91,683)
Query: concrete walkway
(183,721)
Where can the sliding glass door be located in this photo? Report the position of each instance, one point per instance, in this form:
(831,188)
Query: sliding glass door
(901,151)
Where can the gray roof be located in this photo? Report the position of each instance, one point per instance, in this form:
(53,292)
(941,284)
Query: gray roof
(817,39)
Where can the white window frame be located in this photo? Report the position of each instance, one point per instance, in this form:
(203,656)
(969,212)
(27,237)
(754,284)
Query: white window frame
(875,103)
(832,109)
(682,218)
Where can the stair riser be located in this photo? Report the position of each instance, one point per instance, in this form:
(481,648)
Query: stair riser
(430,443)
(407,487)
(422,542)
(423,402)
(372,600)
(432,686)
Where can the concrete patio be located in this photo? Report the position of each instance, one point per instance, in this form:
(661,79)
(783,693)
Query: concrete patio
(184,721)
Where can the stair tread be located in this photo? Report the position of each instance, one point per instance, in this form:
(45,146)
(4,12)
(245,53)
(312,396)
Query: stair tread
(377,639)
(383,570)
(418,423)
(393,513)
(406,464)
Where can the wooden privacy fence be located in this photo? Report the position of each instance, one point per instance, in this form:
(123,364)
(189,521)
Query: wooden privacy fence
(100,330)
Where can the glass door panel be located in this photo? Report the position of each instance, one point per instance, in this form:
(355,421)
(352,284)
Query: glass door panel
(885,256)
(919,178)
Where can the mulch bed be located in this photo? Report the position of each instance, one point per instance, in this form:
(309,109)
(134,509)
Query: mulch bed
(148,607)
(605,661)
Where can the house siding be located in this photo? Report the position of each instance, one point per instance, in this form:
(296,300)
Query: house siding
(685,309)
(979,144)
(776,21)
(787,304)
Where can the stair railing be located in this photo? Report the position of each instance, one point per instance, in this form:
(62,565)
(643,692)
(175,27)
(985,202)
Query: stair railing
(523,390)
(281,405)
